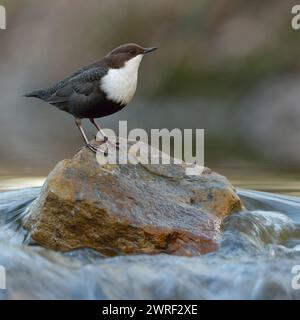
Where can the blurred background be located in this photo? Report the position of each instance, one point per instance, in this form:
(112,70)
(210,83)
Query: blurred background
(231,67)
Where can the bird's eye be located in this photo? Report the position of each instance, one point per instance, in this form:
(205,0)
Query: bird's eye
(132,51)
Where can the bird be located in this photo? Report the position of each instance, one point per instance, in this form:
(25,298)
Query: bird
(99,89)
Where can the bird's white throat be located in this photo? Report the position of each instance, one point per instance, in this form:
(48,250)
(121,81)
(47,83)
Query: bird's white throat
(120,84)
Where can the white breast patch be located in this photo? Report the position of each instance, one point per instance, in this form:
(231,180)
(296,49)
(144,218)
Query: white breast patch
(120,84)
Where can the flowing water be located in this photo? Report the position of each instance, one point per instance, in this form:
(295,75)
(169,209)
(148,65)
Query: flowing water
(258,251)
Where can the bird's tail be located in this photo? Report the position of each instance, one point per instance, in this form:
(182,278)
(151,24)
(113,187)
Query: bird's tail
(36,94)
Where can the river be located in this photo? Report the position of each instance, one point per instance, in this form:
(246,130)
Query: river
(259,251)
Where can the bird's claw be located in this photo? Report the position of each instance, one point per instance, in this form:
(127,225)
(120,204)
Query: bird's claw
(96,149)
(113,144)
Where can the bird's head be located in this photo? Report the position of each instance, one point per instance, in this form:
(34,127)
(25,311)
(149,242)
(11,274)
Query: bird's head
(118,57)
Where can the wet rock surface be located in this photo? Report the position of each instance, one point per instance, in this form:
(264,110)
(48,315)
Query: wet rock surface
(130,209)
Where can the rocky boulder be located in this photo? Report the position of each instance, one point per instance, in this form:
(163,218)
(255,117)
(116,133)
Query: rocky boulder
(130,209)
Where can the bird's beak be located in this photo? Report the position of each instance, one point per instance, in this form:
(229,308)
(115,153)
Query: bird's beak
(148,50)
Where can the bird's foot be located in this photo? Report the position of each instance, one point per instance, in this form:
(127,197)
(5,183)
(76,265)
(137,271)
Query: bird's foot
(106,140)
(95,148)
(115,145)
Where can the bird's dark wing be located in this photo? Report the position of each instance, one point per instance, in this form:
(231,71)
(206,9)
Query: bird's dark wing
(88,73)
(64,94)
(97,67)
(81,88)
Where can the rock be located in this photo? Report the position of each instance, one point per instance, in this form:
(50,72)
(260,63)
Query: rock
(130,209)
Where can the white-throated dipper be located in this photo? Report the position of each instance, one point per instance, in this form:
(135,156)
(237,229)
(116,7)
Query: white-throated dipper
(99,89)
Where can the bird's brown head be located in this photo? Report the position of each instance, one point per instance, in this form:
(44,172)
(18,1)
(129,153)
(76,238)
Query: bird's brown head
(120,55)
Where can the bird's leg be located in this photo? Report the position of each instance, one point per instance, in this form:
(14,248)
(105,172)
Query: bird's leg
(93,121)
(105,137)
(90,146)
